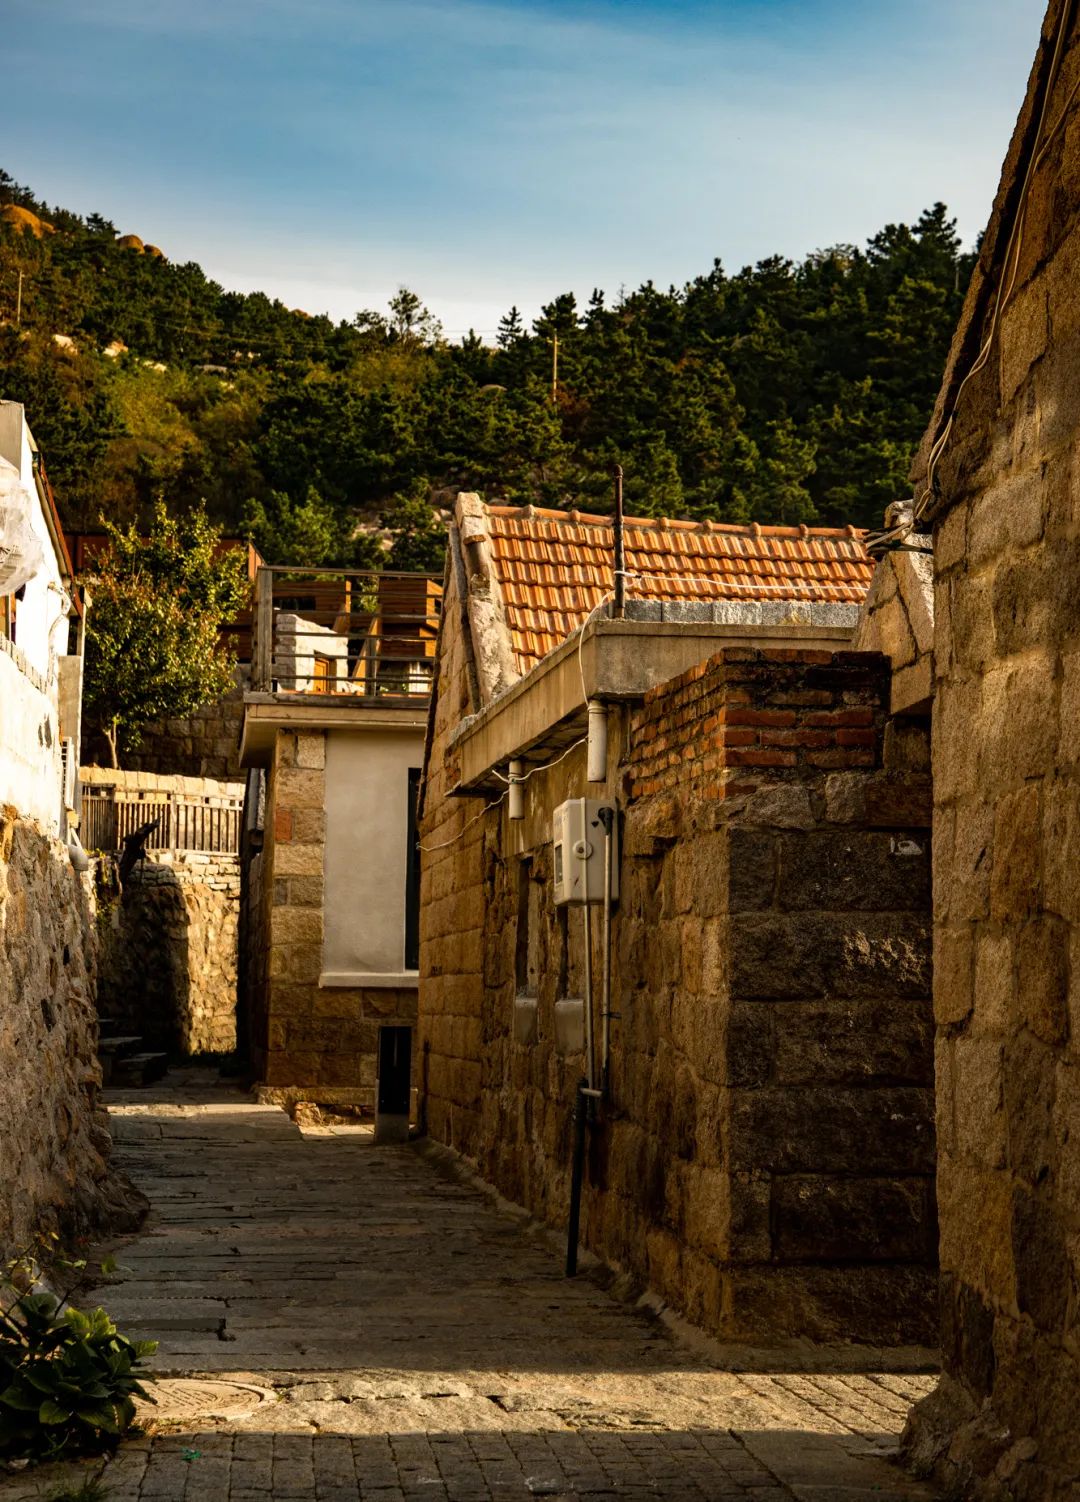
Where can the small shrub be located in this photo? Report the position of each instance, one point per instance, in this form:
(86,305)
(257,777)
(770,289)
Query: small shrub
(68,1379)
(91,1490)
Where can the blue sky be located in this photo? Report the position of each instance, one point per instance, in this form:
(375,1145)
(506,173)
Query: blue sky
(486,152)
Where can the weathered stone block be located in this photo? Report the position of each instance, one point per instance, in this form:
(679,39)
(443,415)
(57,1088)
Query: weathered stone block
(823,1219)
(296,925)
(890,1305)
(885,1131)
(300,787)
(980,1103)
(1016,879)
(311,750)
(752,870)
(1042,976)
(954,961)
(857,869)
(298,860)
(295,961)
(812,954)
(853,1042)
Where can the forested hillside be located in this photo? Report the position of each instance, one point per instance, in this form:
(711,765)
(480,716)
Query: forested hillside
(785,392)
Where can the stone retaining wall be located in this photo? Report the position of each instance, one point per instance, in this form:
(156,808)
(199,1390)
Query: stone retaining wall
(54,1138)
(169,952)
(205,744)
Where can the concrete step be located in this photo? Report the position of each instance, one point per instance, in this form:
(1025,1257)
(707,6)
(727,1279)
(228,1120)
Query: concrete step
(139,1069)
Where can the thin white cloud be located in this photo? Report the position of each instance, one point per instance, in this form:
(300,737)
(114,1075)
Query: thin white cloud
(477,148)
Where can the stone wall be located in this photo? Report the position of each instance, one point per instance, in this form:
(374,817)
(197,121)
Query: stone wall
(897,618)
(765,1163)
(205,744)
(168,969)
(309,1042)
(1006,753)
(54,1139)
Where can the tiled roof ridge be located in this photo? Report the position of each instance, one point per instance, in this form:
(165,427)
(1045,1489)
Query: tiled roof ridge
(663,523)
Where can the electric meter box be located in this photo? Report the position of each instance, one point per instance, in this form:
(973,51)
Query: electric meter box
(580,850)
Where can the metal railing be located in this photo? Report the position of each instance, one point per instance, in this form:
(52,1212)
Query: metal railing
(187,821)
(369,635)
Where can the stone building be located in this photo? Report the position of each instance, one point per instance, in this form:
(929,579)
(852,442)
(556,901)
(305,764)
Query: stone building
(54,1142)
(762,1157)
(997,479)
(333,733)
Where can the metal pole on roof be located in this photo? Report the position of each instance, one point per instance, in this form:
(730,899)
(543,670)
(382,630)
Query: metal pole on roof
(18,303)
(620,554)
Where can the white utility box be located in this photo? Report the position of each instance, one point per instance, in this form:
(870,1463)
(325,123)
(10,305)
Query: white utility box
(580,851)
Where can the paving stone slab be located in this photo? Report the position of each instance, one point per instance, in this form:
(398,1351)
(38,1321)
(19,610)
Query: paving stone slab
(387,1333)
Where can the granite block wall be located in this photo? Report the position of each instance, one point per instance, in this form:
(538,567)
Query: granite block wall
(1006,756)
(168,952)
(766,1161)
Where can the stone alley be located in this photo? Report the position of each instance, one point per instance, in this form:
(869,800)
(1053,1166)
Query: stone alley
(344,1321)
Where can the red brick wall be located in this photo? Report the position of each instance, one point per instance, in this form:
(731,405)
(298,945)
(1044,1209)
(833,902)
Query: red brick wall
(780,711)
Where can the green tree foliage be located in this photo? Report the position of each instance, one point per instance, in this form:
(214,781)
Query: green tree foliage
(785,392)
(153,644)
(419,537)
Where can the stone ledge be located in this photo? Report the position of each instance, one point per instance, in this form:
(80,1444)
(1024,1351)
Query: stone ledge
(365,980)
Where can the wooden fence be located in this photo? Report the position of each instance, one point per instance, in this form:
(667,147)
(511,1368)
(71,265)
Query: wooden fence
(187,821)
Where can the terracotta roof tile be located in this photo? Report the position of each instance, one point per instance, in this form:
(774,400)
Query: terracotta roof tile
(555,567)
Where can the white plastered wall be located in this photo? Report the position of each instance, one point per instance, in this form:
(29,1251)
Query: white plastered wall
(366,856)
(29,693)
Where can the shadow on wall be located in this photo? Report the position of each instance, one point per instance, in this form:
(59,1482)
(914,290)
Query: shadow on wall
(144,976)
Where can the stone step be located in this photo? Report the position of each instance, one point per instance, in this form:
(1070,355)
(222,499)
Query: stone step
(111,1048)
(139,1069)
(118,1045)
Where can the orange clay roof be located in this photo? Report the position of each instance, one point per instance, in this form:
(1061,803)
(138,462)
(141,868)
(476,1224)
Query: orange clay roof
(554,567)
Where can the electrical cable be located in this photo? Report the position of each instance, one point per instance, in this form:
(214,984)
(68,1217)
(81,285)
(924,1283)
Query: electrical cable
(542,767)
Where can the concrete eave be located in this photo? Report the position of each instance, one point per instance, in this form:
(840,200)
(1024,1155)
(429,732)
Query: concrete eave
(617,661)
(266,714)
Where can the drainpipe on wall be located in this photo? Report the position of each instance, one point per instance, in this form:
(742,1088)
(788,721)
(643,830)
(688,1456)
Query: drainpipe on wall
(596,769)
(607,819)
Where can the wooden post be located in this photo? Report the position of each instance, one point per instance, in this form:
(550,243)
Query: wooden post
(264,630)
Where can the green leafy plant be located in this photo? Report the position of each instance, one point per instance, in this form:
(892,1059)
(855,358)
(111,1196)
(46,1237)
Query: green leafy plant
(68,1378)
(153,644)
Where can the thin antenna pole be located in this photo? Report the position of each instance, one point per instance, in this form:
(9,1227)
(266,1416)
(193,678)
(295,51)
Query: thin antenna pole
(620,552)
(18,303)
(555,368)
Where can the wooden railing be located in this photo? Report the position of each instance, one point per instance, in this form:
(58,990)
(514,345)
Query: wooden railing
(369,635)
(186,821)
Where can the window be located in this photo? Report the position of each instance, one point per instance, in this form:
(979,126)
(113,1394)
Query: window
(527,951)
(412,876)
(324,676)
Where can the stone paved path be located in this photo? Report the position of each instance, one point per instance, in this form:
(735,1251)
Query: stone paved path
(372,1328)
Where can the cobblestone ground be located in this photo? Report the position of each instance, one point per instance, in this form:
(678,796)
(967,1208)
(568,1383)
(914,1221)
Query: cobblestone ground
(340,1321)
